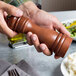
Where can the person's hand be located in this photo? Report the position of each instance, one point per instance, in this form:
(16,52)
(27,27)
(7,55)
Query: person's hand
(6,9)
(43,19)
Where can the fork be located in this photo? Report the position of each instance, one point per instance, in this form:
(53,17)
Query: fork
(13,72)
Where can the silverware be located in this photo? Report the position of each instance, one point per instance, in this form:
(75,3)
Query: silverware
(13,72)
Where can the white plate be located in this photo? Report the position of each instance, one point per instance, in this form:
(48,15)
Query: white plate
(63,67)
(70,21)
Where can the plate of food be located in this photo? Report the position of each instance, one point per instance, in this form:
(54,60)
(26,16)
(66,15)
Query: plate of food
(70,25)
(68,65)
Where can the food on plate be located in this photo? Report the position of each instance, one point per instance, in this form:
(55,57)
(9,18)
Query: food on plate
(71,27)
(71,64)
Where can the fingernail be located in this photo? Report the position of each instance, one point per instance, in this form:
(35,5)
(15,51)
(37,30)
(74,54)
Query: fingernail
(19,12)
(57,57)
(29,34)
(42,47)
(34,38)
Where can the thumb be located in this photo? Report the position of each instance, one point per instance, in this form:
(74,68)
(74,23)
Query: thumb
(10,9)
(59,26)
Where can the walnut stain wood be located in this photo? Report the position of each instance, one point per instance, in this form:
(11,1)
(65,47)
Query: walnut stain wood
(56,42)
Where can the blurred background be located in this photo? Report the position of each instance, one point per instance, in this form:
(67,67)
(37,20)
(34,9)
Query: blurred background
(57,5)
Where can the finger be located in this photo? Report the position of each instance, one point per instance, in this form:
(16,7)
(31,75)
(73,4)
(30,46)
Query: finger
(12,10)
(59,26)
(29,38)
(64,30)
(56,57)
(6,30)
(45,49)
(35,41)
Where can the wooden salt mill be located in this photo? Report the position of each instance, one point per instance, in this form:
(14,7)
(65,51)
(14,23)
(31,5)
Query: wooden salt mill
(56,42)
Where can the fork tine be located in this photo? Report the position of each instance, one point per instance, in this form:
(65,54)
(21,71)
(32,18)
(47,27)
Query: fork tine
(17,72)
(12,71)
(9,73)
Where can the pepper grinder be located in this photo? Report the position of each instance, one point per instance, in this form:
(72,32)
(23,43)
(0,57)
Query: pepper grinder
(56,42)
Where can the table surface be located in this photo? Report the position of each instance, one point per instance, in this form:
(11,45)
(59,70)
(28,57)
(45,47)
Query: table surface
(44,65)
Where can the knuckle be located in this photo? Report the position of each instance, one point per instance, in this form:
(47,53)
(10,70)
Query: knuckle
(12,8)
(2,4)
(29,34)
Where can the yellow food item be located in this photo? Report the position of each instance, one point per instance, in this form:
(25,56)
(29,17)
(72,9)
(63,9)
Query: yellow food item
(72,24)
(17,38)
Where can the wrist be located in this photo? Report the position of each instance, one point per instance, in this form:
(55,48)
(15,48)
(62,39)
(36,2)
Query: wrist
(30,8)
